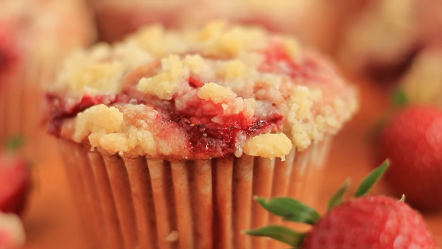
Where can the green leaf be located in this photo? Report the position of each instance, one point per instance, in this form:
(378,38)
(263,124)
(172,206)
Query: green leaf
(290,209)
(338,198)
(372,178)
(15,143)
(280,233)
(400,98)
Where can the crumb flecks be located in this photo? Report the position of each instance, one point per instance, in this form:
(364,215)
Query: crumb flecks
(212,91)
(268,145)
(173,236)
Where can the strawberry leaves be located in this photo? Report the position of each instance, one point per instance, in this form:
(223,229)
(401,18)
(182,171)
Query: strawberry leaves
(290,209)
(280,233)
(363,189)
(15,143)
(338,198)
(372,178)
(399,98)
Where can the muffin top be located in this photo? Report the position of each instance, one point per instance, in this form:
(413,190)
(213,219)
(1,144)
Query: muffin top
(198,94)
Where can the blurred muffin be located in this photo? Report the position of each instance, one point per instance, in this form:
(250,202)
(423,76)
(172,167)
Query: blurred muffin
(34,36)
(381,39)
(313,22)
(115,19)
(423,81)
(167,135)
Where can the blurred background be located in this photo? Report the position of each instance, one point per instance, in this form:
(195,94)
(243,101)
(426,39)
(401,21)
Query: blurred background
(379,45)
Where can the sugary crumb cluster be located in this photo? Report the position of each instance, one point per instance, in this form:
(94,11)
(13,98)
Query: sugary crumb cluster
(198,94)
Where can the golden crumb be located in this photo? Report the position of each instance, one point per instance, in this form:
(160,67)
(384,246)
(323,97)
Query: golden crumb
(228,78)
(268,145)
(215,92)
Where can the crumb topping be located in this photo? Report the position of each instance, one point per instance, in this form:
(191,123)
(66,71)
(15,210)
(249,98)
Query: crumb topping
(198,94)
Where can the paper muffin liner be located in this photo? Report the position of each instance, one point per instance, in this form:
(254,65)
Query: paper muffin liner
(128,203)
(21,112)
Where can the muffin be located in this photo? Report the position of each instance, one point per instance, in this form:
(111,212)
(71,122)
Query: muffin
(115,19)
(422,83)
(169,134)
(286,16)
(381,39)
(34,36)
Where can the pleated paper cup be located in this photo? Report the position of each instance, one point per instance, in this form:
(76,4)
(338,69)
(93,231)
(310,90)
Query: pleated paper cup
(145,203)
(55,29)
(21,95)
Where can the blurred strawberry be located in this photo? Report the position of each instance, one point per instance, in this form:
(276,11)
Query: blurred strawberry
(412,140)
(374,222)
(8,52)
(15,180)
(12,234)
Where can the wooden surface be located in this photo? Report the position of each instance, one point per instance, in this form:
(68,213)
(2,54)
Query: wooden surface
(51,220)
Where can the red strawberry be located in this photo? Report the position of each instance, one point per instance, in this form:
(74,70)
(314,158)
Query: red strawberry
(12,234)
(413,143)
(14,183)
(373,222)
(8,52)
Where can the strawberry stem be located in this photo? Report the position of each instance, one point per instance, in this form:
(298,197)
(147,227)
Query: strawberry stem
(402,198)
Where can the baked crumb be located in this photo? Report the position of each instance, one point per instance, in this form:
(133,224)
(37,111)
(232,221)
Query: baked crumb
(199,94)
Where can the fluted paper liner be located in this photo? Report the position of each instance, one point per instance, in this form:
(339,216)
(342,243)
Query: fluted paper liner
(143,203)
(21,106)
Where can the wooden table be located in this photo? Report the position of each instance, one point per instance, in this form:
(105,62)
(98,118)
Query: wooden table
(51,221)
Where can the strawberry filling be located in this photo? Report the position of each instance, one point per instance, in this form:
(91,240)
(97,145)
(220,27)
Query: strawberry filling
(210,130)
(205,136)
(194,82)
(277,60)
(61,110)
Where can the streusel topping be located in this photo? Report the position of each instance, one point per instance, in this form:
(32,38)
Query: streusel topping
(198,94)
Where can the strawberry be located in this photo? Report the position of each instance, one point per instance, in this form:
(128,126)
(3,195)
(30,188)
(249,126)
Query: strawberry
(12,234)
(412,140)
(14,182)
(364,221)
(8,52)
(374,222)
